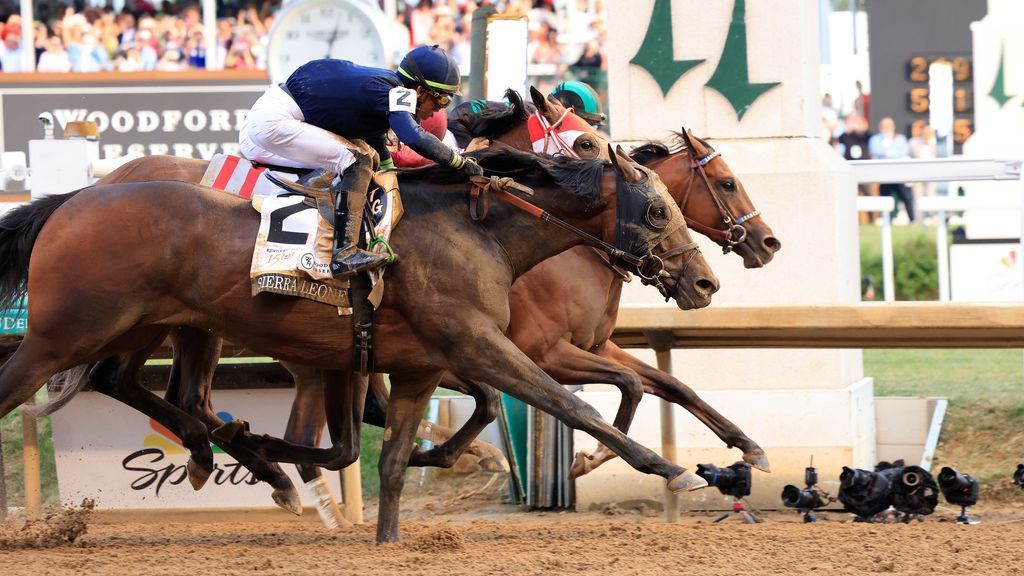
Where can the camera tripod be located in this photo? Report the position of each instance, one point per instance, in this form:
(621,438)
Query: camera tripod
(739,508)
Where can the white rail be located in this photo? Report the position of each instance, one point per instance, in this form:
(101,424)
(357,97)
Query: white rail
(936,170)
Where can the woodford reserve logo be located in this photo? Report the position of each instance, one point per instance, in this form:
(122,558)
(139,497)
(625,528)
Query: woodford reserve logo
(196,121)
(155,470)
(156,123)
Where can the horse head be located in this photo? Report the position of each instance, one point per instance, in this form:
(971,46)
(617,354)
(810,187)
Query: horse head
(564,125)
(714,200)
(650,225)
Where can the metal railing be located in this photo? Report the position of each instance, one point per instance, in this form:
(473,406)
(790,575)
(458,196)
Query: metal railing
(935,170)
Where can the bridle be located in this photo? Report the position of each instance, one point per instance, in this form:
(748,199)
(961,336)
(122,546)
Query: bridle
(649,267)
(735,233)
(553,136)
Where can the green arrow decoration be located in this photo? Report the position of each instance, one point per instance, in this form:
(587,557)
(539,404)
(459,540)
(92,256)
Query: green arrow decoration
(732,79)
(998,91)
(655,54)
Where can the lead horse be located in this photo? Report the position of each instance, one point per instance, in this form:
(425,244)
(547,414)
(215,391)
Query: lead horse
(552,321)
(95,286)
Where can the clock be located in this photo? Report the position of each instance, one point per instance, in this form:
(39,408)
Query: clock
(308,30)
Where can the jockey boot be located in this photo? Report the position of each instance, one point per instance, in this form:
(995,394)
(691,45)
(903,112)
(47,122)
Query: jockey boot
(350,200)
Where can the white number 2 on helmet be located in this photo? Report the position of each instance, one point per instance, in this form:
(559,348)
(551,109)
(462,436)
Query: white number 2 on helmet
(402,99)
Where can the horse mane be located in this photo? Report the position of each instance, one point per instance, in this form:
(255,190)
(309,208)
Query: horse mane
(581,178)
(494,121)
(654,149)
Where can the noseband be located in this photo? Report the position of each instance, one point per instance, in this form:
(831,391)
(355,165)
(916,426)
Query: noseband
(734,233)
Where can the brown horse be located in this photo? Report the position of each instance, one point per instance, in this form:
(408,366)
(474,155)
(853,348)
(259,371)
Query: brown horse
(557,280)
(589,325)
(89,300)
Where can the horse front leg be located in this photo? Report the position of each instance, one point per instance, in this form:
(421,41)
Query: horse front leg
(667,387)
(568,364)
(410,394)
(443,455)
(449,446)
(491,357)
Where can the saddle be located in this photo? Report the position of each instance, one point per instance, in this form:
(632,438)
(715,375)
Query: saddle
(293,248)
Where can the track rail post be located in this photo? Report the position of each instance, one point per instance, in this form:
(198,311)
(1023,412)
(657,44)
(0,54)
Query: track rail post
(662,344)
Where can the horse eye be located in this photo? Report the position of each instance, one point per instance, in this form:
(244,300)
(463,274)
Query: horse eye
(587,144)
(729,185)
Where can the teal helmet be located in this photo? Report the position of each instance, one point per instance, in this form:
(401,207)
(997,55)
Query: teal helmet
(432,68)
(583,99)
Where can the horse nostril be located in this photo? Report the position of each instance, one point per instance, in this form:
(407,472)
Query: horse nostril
(772,243)
(707,286)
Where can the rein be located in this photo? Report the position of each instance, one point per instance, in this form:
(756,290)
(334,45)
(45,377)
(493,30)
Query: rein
(735,233)
(650,268)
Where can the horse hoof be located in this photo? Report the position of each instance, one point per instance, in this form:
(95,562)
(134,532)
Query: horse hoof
(495,464)
(580,464)
(288,498)
(227,432)
(686,482)
(197,475)
(757,459)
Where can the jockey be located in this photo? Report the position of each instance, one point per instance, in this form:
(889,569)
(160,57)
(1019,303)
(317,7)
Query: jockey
(298,124)
(583,100)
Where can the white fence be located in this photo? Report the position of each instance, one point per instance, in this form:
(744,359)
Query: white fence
(935,170)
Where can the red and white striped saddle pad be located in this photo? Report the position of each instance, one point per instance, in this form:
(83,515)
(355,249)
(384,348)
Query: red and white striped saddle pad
(237,175)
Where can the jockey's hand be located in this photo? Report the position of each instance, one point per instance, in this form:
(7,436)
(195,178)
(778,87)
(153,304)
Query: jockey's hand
(471,168)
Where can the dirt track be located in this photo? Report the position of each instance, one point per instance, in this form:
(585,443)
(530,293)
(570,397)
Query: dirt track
(510,542)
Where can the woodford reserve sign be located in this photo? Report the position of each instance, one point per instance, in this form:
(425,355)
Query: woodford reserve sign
(190,114)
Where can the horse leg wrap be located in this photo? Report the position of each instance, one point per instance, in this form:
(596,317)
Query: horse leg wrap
(326,506)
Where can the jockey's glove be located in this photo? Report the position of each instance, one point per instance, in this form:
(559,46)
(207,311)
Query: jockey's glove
(469,167)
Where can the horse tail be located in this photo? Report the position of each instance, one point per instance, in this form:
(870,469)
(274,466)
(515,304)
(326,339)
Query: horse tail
(19,229)
(62,387)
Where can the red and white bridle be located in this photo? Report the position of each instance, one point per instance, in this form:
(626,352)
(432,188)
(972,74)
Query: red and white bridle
(556,137)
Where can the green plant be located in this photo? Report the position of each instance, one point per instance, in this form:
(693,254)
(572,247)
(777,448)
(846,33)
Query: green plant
(915,267)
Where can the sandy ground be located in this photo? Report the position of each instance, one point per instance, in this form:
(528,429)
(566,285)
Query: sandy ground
(463,537)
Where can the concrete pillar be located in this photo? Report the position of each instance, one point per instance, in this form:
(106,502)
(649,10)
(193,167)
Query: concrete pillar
(746,76)
(998,60)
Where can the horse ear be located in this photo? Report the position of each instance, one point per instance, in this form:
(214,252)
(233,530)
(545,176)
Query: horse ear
(624,165)
(538,99)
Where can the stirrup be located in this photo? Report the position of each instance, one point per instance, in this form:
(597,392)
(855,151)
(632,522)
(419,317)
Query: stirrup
(355,262)
(387,247)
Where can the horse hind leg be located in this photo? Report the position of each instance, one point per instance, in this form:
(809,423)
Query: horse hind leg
(195,360)
(306,427)
(120,381)
(27,370)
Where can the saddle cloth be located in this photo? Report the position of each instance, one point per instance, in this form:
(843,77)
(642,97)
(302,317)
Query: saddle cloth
(295,240)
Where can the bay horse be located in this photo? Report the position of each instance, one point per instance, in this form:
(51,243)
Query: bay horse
(95,285)
(550,321)
(557,343)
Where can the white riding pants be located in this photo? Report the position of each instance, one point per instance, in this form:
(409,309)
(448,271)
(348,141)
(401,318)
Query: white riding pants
(275,132)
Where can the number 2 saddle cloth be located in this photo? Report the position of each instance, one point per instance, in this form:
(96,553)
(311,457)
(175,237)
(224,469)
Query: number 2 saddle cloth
(294,244)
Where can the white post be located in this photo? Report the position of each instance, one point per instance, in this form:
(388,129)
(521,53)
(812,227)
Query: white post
(28,37)
(391,9)
(210,35)
(942,253)
(888,276)
(1020,246)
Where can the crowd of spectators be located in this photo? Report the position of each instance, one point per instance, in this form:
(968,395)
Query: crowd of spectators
(141,37)
(171,37)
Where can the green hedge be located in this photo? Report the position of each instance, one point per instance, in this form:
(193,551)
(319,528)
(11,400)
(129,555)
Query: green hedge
(914,265)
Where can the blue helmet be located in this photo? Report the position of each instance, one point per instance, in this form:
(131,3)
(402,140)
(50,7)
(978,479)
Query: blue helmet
(432,68)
